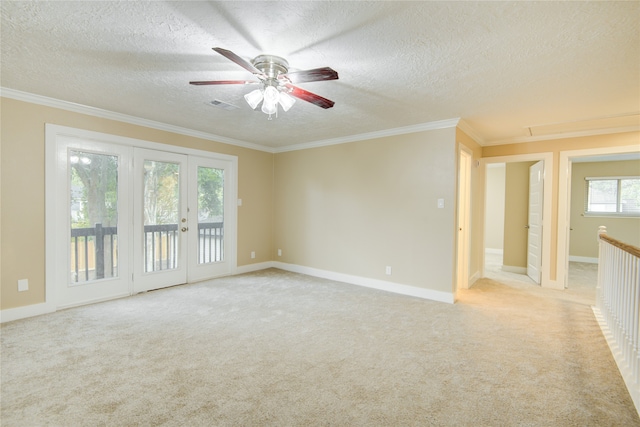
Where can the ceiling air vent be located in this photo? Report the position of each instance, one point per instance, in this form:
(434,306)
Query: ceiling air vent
(220,104)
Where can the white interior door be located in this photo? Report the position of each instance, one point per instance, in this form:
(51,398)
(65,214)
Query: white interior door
(91,221)
(211,215)
(160,220)
(534,239)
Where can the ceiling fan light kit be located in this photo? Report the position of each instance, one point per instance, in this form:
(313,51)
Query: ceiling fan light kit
(276,82)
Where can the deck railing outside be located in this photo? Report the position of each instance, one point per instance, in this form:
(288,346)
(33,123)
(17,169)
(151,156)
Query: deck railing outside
(618,304)
(94,249)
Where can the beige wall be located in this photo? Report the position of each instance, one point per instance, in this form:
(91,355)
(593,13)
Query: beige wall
(494,217)
(583,241)
(22,191)
(516,214)
(358,207)
(555,146)
(352,208)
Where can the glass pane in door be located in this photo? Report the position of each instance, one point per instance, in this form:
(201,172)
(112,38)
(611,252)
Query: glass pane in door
(161,215)
(94,215)
(210,215)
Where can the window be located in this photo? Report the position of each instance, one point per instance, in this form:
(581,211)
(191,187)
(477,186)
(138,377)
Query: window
(613,196)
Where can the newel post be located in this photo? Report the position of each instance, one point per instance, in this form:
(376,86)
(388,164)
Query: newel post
(602,230)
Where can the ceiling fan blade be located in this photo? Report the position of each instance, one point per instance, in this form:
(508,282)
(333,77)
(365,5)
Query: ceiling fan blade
(235,58)
(224,82)
(315,75)
(310,97)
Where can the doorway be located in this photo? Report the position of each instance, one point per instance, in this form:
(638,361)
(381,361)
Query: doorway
(507,262)
(126,216)
(586,262)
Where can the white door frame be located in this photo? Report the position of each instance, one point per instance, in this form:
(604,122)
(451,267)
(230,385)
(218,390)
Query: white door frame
(547,157)
(564,202)
(465,157)
(52,245)
(534,213)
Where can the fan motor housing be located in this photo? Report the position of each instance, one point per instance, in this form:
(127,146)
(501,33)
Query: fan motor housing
(271,65)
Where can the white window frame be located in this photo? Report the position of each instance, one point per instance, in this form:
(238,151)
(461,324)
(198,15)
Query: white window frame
(618,212)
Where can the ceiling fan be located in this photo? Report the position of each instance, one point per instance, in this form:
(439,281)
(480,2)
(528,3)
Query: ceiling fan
(276,82)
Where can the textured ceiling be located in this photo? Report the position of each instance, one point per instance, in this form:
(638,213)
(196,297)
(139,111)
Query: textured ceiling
(505,68)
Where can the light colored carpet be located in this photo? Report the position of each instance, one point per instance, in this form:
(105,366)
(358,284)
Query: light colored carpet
(273,348)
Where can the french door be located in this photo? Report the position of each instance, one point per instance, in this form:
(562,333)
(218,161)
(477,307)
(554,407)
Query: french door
(210,218)
(159,219)
(91,202)
(179,219)
(130,219)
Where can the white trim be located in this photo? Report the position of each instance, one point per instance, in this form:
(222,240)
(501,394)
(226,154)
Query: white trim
(250,268)
(441,124)
(494,251)
(94,300)
(382,285)
(564,194)
(514,269)
(11,314)
(547,192)
(626,373)
(474,278)
(133,142)
(463,216)
(471,133)
(590,260)
(54,132)
(105,114)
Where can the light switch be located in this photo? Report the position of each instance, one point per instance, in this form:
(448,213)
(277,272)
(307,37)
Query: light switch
(440,203)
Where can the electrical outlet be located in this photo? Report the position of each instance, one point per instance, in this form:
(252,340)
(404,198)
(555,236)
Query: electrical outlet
(253,254)
(279,252)
(23,285)
(387,270)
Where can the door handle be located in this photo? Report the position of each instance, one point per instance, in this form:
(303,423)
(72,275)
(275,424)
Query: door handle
(526,226)
(184,229)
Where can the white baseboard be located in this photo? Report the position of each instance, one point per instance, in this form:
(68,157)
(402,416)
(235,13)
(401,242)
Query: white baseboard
(552,284)
(514,269)
(627,374)
(253,267)
(493,251)
(382,285)
(587,259)
(474,278)
(10,314)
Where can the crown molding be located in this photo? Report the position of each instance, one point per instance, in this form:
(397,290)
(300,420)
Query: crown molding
(471,133)
(111,115)
(441,124)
